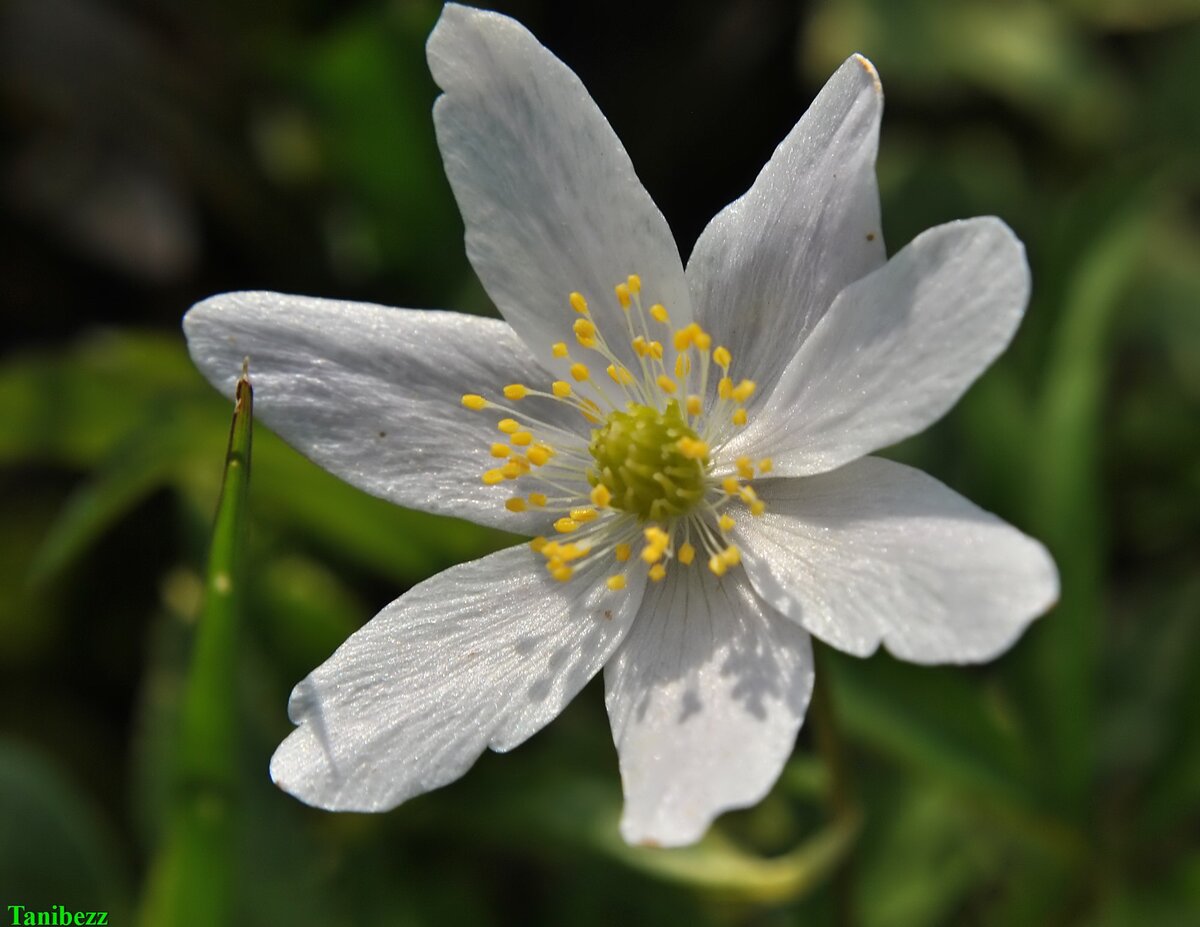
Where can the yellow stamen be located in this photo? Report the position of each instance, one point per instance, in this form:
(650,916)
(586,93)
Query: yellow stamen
(623,552)
(538,499)
(725,388)
(656,536)
(508,425)
(583,514)
(538,543)
(622,291)
(655,349)
(538,455)
(683,339)
(726,522)
(522,439)
(601,496)
(683,366)
(744,390)
(745,468)
(692,448)
(500,450)
(580,372)
(765,465)
(515,504)
(565,525)
(492,477)
(652,554)
(731,556)
(585,332)
(738,417)
(559,349)
(615,583)
(666,384)
(563,573)
(634,283)
(561,388)
(657,572)
(620,375)
(694,405)
(757,507)
(731,485)
(658,312)
(515,391)
(687,553)
(703,340)
(511,470)
(639,346)
(717,565)
(475,402)
(722,358)
(578,303)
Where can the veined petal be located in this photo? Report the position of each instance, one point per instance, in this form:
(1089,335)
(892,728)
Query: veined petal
(484,654)
(548,195)
(769,265)
(896,350)
(374,394)
(705,696)
(879,552)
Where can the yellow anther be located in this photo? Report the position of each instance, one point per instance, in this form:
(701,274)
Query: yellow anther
(658,312)
(744,390)
(583,514)
(538,455)
(549,550)
(657,572)
(731,556)
(634,282)
(473,401)
(508,425)
(738,417)
(666,384)
(580,372)
(652,553)
(683,339)
(683,366)
(601,496)
(695,405)
(656,536)
(765,465)
(722,358)
(703,340)
(561,388)
(639,346)
(565,525)
(747,494)
(569,552)
(655,349)
(537,544)
(725,388)
(717,565)
(521,438)
(757,507)
(584,328)
(620,375)
(492,477)
(615,583)
(515,504)
(745,468)
(692,448)
(622,291)
(521,461)
(726,522)
(500,450)
(562,573)
(578,303)
(515,391)
(623,552)
(687,553)
(511,470)
(538,499)
(591,411)
(559,349)
(731,485)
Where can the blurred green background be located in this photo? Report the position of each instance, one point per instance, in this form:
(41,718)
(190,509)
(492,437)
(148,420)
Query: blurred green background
(155,152)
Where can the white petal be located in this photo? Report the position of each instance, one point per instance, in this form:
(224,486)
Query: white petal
(879,552)
(484,654)
(896,350)
(373,394)
(705,696)
(548,195)
(770,264)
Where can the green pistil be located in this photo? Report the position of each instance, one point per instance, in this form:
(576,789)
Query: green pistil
(638,460)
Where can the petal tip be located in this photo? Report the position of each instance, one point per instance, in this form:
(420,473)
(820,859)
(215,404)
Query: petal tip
(863,62)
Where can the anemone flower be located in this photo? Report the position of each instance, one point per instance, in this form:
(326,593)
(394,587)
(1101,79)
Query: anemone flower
(686,447)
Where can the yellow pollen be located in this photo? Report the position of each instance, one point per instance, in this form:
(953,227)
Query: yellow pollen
(717,565)
(744,390)
(601,496)
(561,388)
(639,346)
(615,583)
(584,329)
(652,554)
(472,401)
(738,417)
(515,391)
(622,291)
(694,405)
(562,573)
(500,450)
(765,465)
(538,455)
(745,468)
(730,485)
(691,448)
(538,499)
(579,372)
(492,477)
(683,366)
(515,504)
(565,525)
(659,313)
(522,438)
(722,358)
(591,411)
(725,388)
(703,340)
(657,572)
(655,349)
(508,425)
(521,461)
(731,556)
(578,303)
(583,515)
(687,553)
(683,339)
(537,544)
(623,552)
(747,493)
(634,283)
(559,349)
(726,522)
(511,470)
(666,384)
(656,536)
(620,375)
(757,507)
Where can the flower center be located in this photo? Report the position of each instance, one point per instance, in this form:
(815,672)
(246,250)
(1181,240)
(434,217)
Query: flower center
(651,462)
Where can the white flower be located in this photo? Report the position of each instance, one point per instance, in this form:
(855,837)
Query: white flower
(696,436)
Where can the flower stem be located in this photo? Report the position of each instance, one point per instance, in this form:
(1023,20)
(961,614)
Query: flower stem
(842,803)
